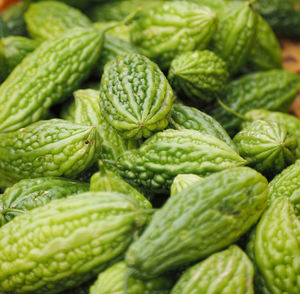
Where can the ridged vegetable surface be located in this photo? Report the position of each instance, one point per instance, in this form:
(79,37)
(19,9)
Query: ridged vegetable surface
(112,281)
(267,146)
(266,52)
(108,181)
(48,19)
(291,122)
(287,184)
(13,49)
(182,181)
(235,35)
(169,153)
(200,220)
(271,90)
(31,193)
(87,112)
(172,28)
(46,148)
(66,242)
(135,96)
(199,75)
(186,117)
(275,249)
(228,271)
(48,76)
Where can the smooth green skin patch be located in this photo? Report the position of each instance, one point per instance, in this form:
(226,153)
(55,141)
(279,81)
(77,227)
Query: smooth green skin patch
(200,220)
(228,271)
(135,96)
(66,242)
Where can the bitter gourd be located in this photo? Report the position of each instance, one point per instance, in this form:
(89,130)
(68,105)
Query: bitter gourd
(169,153)
(46,148)
(287,184)
(266,52)
(66,242)
(121,31)
(235,35)
(135,96)
(182,181)
(112,281)
(291,122)
(107,181)
(172,28)
(200,220)
(48,76)
(272,90)
(198,75)
(275,249)
(48,19)
(228,271)
(31,193)
(12,51)
(267,146)
(186,117)
(87,112)
(215,5)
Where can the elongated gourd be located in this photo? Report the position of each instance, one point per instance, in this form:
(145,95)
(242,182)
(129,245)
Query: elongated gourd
(48,76)
(169,153)
(274,248)
(112,281)
(172,28)
(66,242)
(228,271)
(31,193)
(198,221)
(48,19)
(46,148)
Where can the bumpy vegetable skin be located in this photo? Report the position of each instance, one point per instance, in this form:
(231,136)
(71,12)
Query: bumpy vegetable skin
(200,220)
(135,96)
(169,153)
(228,271)
(48,76)
(275,250)
(198,75)
(271,90)
(267,146)
(46,148)
(112,281)
(172,28)
(66,242)
(182,181)
(31,193)
(186,117)
(48,19)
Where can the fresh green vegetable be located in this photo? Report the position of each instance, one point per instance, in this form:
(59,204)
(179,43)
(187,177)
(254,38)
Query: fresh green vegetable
(46,148)
(200,220)
(228,271)
(31,193)
(182,181)
(135,96)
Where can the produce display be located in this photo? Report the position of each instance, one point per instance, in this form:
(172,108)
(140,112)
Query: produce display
(146,147)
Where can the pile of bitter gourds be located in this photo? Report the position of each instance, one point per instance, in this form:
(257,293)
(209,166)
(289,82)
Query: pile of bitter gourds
(145,148)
